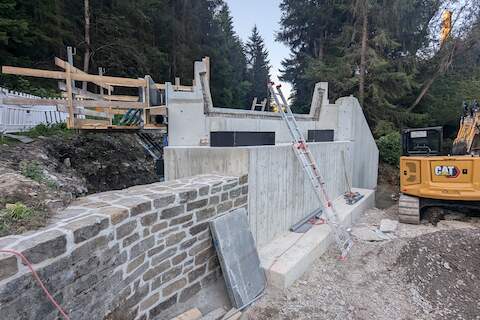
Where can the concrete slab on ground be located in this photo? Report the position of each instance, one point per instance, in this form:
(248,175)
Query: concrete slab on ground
(286,258)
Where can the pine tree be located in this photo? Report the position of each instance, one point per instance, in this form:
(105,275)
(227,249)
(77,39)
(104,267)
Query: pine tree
(11,29)
(229,64)
(161,38)
(258,66)
(369,48)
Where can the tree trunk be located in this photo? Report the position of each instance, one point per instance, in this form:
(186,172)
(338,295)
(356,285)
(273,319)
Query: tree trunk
(363,53)
(445,63)
(86,58)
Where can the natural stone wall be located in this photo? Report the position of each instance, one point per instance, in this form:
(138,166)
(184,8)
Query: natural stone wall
(127,254)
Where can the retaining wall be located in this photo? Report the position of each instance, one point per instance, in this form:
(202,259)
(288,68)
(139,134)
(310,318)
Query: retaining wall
(129,254)
(279,194)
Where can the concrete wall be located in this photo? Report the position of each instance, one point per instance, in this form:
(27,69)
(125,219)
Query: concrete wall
(138,253)
(352,126)
(192,115)
(279,194)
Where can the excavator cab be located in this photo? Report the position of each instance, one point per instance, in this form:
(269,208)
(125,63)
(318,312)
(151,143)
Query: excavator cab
(422,141)
(433,183)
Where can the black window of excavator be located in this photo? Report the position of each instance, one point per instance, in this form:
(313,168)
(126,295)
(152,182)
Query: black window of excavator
(422,141)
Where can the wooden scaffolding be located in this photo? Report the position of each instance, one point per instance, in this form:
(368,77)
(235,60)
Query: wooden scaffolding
(102,110)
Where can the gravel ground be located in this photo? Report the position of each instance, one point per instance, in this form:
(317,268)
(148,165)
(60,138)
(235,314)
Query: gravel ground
(422,272)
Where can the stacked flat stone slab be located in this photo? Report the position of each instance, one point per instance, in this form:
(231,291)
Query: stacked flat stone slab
(129,254)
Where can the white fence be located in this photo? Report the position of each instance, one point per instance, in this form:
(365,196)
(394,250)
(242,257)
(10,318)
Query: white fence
(23,118)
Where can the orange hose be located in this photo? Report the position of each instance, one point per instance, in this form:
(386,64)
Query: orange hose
(39,281)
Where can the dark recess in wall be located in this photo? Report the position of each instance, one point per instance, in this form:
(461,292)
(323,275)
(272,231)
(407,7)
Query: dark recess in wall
(320,135)
(241,138)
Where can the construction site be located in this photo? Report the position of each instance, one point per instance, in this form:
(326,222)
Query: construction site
(123,198)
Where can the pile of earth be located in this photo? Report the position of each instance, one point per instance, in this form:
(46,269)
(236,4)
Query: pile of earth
(423,272)
(444,267)
(47,174)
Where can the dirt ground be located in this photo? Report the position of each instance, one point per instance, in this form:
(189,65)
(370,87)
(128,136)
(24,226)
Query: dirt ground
(419,272)
(47,174)
(388,186)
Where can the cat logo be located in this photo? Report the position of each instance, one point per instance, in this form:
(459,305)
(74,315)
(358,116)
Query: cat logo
(447,171)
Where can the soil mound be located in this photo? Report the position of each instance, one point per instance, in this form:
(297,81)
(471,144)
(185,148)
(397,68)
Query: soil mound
(46,175)
(445,269)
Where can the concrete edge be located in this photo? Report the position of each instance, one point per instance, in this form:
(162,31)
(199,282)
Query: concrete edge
(289,256)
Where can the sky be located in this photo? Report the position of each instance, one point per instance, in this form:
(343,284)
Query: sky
(266,15)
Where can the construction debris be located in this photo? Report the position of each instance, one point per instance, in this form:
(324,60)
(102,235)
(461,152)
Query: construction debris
(22,139)
(387,225)
(425,275)
(192,314)
(215,314)
(370,234)
(233,314)
(444,268)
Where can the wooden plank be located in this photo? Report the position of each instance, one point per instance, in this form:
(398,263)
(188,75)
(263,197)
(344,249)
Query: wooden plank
(91,124)
(206,61)
(154,126)
(71,115)
(158,111)
(192,314)
(254,103)
(63,64)
(85,112)
(79,93)
(77,103)
(117,111)
(162,86)
(121,98)
(34,72)
(233,314)
(39,73)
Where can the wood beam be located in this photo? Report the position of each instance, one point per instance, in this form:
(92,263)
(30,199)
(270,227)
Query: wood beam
(71,114)
(121,98)
(158,111)
(192,314)
(63,64)
(91,124)
(85,112)
(78,92)
(39,73)
(82,94)
(162,86)
(76,103)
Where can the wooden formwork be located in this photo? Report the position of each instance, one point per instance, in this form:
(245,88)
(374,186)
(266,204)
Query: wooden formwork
(97,111)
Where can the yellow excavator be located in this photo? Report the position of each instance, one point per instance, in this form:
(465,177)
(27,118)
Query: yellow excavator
(432,184)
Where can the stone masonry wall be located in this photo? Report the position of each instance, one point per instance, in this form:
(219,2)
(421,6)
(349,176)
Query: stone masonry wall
(127,254)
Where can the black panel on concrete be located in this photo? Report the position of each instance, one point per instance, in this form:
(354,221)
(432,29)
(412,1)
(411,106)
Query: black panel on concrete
(320,135)
(241,138)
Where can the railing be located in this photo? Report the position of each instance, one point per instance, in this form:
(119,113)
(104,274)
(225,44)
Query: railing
(20,118)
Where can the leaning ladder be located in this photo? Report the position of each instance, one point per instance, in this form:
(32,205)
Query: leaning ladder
(342,237)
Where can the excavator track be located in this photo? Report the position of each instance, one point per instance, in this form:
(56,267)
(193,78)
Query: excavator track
(409,209)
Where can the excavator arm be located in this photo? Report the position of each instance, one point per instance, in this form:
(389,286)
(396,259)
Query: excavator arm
(467,141)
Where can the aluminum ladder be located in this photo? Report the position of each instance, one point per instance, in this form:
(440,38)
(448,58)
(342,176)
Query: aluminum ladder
(342,237)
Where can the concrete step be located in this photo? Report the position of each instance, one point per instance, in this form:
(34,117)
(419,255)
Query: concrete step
(286,258)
